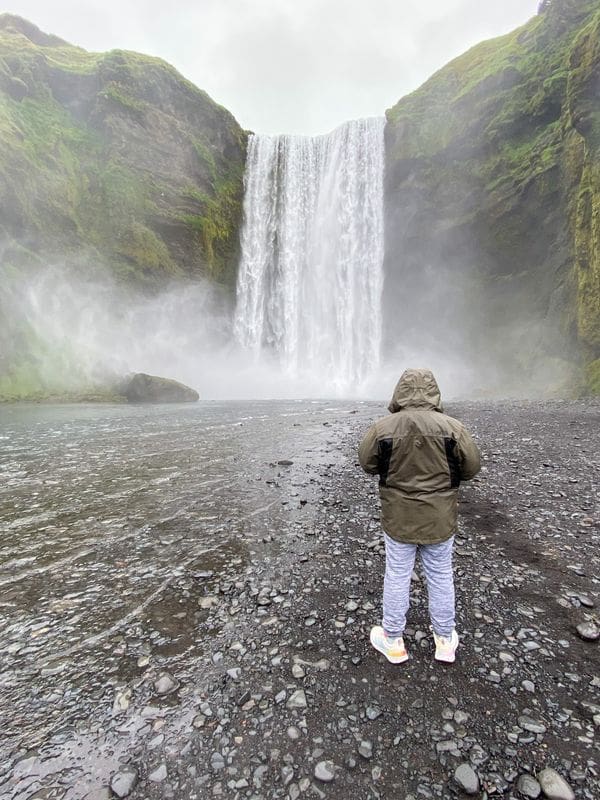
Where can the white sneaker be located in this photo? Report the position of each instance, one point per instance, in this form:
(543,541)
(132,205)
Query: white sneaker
(445,649)
(393,649)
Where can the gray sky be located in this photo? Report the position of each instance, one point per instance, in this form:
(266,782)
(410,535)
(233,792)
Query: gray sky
(288,66)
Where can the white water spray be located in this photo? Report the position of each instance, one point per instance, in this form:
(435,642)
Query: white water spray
(311,271)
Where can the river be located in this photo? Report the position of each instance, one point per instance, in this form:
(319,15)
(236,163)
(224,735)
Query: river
(113,518)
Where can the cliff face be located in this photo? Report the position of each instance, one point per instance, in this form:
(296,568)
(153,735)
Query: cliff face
(493,203)
(115,156)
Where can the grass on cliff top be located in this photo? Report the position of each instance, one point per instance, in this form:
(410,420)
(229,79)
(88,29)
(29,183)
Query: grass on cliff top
(519,76)
(16,47)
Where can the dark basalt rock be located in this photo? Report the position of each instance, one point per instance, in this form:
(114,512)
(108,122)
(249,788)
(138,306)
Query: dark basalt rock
(142,388)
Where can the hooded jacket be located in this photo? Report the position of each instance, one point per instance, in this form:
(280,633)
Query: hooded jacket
(421,455)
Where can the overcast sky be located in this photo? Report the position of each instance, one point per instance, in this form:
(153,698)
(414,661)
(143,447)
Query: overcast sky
(288,66)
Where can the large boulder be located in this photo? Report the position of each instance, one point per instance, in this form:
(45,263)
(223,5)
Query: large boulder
(142,388)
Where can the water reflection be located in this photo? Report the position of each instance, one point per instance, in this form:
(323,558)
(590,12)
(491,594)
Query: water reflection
(115,520)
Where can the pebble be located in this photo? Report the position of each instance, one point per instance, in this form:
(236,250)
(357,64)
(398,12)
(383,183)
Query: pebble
(123,782)
(297,700)
(528,686)
(585,600)
(244,698)
(165,684)
(365,748)
(528,786)
(554,785)
(531,725)
(158,775)
(217,762)
(588,631)
(466,777)
(325,771)
(373,712)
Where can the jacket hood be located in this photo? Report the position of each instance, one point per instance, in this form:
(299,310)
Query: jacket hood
(416,388)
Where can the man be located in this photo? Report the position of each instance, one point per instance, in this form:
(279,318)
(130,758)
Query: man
(421,455)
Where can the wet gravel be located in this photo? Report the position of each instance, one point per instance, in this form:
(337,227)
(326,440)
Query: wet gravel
(186,597)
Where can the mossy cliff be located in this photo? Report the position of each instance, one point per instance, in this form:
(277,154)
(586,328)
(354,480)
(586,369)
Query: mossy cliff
(117,157)
(493,202)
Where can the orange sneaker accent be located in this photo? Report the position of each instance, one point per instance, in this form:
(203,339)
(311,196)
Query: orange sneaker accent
(393,649)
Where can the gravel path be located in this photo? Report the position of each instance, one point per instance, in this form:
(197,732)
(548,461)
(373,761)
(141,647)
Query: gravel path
(287,699)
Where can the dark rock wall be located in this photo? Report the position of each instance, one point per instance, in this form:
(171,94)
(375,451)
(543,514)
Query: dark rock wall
(117,157)
(492,209)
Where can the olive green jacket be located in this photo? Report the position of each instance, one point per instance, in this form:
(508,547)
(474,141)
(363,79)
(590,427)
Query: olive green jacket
(421,455)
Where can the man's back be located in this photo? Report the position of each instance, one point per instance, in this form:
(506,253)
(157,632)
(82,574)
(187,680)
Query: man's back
(420,455)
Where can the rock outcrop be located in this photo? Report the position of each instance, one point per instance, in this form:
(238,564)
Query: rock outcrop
(493,203)
(115,156)
(142,388)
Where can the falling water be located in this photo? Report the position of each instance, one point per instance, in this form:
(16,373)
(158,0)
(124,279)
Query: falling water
(310,277)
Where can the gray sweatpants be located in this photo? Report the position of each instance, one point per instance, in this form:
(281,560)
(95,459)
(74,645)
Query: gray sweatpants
(399,564)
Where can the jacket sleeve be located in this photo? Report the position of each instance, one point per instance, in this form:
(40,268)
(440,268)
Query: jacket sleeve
(468,452)
(368,452)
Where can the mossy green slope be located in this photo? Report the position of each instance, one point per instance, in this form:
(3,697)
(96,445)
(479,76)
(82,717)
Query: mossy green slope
(114,157)
(493,189)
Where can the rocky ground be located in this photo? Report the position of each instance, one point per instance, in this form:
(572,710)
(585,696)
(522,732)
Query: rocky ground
(285,698)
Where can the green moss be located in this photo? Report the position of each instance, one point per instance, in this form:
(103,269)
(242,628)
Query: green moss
(501,150)
(118,94)
(592,377)
(145,250)
(217,225)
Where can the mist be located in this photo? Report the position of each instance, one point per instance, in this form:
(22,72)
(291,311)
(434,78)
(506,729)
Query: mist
(84,332)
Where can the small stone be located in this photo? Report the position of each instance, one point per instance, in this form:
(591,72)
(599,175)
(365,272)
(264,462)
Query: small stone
(123,782)
(297,671)
(373,712)
(585,600)
(531,725)
(297,700)
(325,771)
(588,631)
(158,775)
(243,698)
(365,748)
(234,673)
(293,733)
(217,762)
(529,787)
(165,684)
(287,774)
(466,777)
(528,686)
(122,701)
(554,785)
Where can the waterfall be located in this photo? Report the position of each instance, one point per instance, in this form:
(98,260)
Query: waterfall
(310,275)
